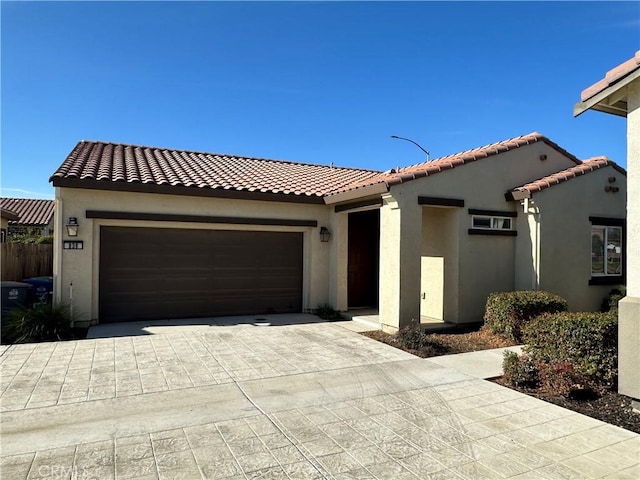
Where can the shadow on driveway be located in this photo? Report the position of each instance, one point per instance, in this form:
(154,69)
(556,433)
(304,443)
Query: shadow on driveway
(154,327)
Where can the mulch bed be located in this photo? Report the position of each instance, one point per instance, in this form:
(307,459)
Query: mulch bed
(608,406)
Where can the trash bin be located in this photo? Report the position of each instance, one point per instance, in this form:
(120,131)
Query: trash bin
(41,291)
(14,294)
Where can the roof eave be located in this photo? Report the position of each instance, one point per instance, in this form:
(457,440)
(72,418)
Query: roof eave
(369,190)
(9,215)
(185,191)
(517,195)
(610,100)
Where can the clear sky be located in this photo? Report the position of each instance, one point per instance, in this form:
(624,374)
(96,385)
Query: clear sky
(316,82)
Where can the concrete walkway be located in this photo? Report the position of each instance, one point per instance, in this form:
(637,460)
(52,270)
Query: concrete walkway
(283,398)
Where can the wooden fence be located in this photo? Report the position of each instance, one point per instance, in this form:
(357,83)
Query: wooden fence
(26,260)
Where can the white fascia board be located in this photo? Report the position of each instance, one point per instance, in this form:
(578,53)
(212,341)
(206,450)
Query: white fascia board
(601,102)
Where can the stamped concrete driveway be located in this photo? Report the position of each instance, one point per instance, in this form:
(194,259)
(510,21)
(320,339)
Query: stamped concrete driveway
(302,400)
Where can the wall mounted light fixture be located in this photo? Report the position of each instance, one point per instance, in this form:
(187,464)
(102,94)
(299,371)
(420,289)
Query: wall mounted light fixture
(325,234)
(72,227)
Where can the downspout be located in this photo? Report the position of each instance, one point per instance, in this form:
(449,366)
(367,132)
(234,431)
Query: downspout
(532,210)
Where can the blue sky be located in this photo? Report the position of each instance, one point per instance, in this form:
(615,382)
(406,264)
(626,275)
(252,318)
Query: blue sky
(316,82)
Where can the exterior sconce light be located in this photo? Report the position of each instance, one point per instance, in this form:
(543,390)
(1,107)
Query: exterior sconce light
(325,234)
(72,227)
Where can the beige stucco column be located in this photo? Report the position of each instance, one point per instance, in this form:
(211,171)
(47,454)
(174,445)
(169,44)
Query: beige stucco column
(629,307)
(338,261)
(400,249)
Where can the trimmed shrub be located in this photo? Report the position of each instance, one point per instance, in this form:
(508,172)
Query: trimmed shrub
(585,340)
(519,370)
(507,312)
(38,323)
(413,336)
(562,378)
(416,339)
(610,303)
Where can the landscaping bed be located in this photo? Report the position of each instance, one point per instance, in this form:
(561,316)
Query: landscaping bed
(607,406)
(434,344)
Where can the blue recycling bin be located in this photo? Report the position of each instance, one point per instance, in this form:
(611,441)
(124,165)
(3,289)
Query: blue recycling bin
(14,294)
(41,291)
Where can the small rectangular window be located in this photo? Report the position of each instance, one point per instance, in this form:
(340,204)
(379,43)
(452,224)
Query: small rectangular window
(492,223)
(606,250)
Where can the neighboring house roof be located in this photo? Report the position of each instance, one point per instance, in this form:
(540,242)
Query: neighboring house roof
(31,212)
(588,166)
(103,165)
(605,95)
(402,175)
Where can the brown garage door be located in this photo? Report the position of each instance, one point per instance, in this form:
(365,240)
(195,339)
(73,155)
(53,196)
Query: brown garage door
(157,273)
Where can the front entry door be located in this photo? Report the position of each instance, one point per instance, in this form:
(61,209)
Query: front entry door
(364,257)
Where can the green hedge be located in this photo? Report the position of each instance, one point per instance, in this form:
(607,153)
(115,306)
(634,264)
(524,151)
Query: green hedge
(584,344)
(507,312)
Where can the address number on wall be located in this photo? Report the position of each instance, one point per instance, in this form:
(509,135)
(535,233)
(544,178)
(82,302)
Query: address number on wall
(73,245)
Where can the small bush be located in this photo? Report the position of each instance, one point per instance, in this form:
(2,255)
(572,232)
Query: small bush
(38,323)
(519,370)
(558,377)
(327,312)
(414,338)
(588,341)
(507,312)
(610,303)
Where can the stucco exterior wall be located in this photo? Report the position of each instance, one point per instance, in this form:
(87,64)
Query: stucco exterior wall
(80,268)
(439,266)
(485,263)
(565,237)
(486,266)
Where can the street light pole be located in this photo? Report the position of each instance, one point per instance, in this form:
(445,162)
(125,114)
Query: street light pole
(415,143)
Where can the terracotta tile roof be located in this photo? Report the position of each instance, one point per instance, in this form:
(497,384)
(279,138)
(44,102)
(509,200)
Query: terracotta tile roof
(562,176)
(97,162)
(433,167)
(613,76)
(31,212)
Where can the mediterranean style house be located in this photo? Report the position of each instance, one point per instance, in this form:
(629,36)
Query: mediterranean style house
(155,233)
(26,215)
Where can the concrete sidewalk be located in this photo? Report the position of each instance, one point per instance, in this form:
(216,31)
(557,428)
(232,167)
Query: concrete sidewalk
(295,401)
(483,364)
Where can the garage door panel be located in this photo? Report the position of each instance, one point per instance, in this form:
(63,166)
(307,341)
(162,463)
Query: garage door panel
(171,273)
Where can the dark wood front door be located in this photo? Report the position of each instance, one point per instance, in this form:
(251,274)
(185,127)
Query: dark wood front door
(165,273)
(364,258)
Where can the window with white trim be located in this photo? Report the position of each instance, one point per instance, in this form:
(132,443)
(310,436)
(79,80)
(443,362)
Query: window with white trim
(491,223)
(606,250)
